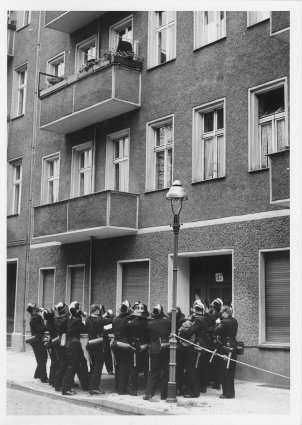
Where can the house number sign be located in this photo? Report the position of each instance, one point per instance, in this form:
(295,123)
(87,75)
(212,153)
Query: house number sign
(219,277)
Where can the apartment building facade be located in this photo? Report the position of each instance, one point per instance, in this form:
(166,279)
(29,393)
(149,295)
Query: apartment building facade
(106,109)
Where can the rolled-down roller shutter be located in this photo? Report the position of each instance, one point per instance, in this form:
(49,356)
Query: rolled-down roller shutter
(48,288)
(77,284)
(277,297)
(136,282)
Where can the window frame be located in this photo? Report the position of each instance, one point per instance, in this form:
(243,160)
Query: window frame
(250,23)
(151,149)
(68,284)
(76,150)
(21,23)
(110,160)
(199,29)
(119,26)
(13,182)
(262,312)
(253,120)
(41,284)
(54,59)
(153,30)
(79,50)
(17,88)
(45,180)
(198,140)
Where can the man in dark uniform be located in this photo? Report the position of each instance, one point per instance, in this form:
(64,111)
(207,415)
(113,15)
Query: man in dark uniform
(107,350)
(37,328)
(49,316)
(76,362)
(227,331)
(196,362)
(122,349)
(95,328)
(61,322)
(139,339)
(215,364)
(159,327)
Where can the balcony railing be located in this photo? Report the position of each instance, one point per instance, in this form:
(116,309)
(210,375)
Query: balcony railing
(70,21)
(91,96)
(102,215)
(279,177)
(280,25)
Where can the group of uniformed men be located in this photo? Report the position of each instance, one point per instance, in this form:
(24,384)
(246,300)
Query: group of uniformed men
(140,345)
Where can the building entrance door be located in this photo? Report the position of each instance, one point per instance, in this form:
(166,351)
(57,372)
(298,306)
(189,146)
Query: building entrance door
(10,297)
(211,277)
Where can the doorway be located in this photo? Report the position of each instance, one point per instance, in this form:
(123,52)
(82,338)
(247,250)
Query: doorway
(10,300)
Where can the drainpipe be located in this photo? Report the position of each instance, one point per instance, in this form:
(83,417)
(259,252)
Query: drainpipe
(32,160)
(90,272)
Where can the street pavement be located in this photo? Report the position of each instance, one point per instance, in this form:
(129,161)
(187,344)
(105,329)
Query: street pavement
(252,398)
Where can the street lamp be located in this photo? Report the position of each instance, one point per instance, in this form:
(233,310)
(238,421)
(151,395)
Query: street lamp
(176,195)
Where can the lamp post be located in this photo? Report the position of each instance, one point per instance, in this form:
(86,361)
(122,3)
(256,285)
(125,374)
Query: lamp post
(176,195)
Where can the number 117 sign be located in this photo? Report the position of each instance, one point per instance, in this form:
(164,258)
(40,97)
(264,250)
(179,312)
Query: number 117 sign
(219,277)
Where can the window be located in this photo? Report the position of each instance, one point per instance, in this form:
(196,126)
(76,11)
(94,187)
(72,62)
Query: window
(275,298)
(162,37)
(46,292)
(117,161)
(15,186)
(268,123)
(75,284)
(208,27)
(133,281)
(159,154)
(56,65)
(81,182)
(257,16)
(19,91)
(23,18)
(209,141)
(50,179)
(85,51)
(121,36)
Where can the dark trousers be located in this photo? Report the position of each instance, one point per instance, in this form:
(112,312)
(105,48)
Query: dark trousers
(108,356)
(227,377)
(159,365)
(203,368)
(215,371)
(180,370)
(123,364)
(97,361)
(141,366)
(62,367)
(76,364)
(192,374)
(41,358)
(54,364)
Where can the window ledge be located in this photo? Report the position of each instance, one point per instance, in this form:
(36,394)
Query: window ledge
(156,190)
(15,118)
(13,215)
(274,346)
(209,44)
(160,64)
(208,180)
(259,170)
(257,23)
(19,29)
(285,149)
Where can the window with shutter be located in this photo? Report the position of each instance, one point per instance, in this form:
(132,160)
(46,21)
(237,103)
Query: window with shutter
(277,297)
(48,279)
(135,282)
(77,284)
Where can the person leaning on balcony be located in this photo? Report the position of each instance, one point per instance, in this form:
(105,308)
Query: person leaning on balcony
(95,328)
(61,322)
(159,327)
(37,328)
(121,347)
(226,332)
(76,362)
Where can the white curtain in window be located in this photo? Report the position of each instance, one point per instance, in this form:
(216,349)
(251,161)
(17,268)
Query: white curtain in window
(266,142)
(208,158)
(220,156)
(281,136)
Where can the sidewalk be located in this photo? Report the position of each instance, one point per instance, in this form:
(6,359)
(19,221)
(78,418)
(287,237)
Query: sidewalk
(251,397)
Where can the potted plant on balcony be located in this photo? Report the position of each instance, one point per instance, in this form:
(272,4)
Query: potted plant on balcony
(123,55)
(55,79)
(89,65)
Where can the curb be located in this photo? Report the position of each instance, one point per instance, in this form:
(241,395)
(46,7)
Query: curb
(96,403)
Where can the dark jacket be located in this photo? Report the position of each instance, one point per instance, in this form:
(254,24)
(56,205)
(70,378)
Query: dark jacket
(50,326)
(37,326)
(199,327)
(159,330)
(227,328)
(75,327)
(138,330)
(60,324)
(120,327)
(95,326)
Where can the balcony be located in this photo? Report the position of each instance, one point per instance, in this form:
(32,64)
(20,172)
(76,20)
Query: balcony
(70,21)
(279,177)
(89,97)
(279,25)
(107,214)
